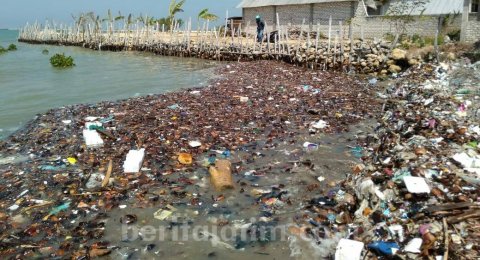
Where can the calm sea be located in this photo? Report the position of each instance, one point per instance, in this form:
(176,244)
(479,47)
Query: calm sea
(30,85)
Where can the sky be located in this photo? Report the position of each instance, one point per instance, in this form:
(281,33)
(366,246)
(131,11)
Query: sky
(16,13)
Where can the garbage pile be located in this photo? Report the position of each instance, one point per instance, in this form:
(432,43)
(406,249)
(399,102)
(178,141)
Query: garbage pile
(416,193)
(179,154)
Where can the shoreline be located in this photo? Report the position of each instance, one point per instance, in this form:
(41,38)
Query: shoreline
(248,132)
(278,125)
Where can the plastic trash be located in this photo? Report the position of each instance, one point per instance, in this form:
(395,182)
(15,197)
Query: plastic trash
(243,99)
(221,175)
(226,154)
(71,160)
(134,161)
(51,167)
(162,214)
(413,246)
(310,146)
(174,107)
(348,250)
(185,158)
(194,144)
(92,138)
(320,124)
(384,248)
(416,184)
(60,208)
(357,151)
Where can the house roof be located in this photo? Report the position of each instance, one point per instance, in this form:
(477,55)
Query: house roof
(436,7)
(260,3)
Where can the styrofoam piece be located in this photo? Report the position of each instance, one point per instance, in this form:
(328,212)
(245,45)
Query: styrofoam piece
(134,160)
(320,124)
(416,184)
(348,250)
(414,245)
(92,138)
(194,144)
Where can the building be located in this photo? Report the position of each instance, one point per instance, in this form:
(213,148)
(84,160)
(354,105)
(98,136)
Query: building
(367,17)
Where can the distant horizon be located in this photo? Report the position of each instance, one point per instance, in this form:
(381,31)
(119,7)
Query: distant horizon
(16,14)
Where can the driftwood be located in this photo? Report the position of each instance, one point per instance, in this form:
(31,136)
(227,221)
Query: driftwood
(474,213)
(450,206)
(447,239)
(109,172)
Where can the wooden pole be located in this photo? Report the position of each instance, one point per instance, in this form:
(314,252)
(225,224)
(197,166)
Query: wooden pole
(341,41)
(329,33)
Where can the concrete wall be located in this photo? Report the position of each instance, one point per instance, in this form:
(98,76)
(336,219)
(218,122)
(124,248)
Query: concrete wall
(293,15)
(472,31)
(377,26)
(372,26)
(267,13)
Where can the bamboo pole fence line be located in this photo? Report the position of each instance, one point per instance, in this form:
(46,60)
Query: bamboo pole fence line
(214,43)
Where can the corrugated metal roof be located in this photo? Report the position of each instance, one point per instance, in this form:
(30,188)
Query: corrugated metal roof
(436,7)
(260,3)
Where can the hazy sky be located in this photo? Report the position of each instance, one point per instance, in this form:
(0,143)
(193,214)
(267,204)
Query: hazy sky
(15,13)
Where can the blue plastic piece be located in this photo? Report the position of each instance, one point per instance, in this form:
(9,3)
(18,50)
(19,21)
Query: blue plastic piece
(384,248)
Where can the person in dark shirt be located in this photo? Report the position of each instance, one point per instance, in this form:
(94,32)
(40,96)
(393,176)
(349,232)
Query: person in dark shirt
(260,28)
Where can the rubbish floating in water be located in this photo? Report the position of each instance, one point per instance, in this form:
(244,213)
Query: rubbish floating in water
(51,167)
(310,146)
(185,158)
(320,124)
(174,107)
(72,160)
(134,160)
(221,175)
(92,138)
(60,208)
(357,151)
(194,144)
(162,214)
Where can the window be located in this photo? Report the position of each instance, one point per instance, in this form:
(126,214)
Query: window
(474,7)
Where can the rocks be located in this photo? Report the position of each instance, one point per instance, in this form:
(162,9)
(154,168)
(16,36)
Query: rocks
(398,54)
(412,62)
(451,56)
(394,68)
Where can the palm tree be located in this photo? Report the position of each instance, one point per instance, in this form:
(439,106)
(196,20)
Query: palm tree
(205,15)
(173,9)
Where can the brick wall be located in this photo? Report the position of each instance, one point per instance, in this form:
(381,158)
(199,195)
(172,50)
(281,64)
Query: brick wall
(473,29)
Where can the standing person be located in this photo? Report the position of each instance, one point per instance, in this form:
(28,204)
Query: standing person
(260,28)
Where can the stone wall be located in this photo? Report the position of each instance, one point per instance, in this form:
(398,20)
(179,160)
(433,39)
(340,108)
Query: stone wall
(473,28)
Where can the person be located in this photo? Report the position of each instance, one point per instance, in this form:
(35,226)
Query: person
(260,28)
